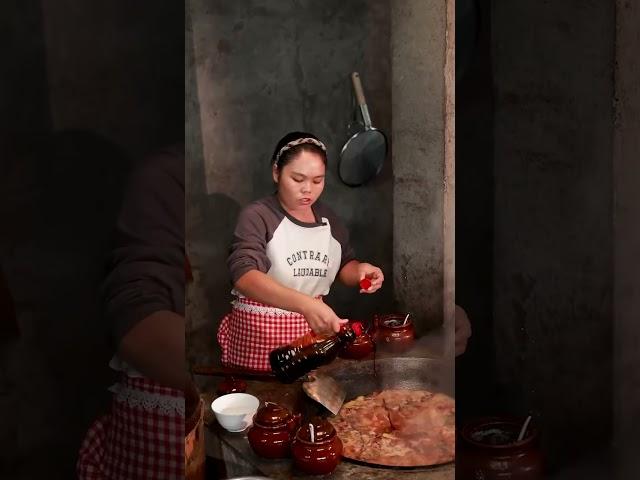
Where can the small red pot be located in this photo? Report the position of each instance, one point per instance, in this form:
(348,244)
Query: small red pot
(231,385)
(392,333)
(320,455)
(489,450)
(272,431)
(360,348)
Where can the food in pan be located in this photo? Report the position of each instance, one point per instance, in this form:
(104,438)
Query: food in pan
(403,428)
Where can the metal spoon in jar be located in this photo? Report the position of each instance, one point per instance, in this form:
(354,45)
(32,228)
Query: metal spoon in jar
(523,430)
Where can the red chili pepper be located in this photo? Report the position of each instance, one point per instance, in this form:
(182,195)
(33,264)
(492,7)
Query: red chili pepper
(365,283)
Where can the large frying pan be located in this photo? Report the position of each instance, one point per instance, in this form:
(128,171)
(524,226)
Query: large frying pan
(409,373)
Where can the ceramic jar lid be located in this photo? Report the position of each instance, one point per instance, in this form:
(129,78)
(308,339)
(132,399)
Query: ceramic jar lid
(322,429)
(272,415)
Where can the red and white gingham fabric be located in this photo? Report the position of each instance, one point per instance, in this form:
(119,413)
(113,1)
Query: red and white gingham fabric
(252,330)
(136,441)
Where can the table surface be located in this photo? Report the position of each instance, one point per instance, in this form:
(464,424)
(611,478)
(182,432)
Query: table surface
(236,448)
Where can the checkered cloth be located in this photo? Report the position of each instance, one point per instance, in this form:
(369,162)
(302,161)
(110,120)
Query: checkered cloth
(252,330)
(139,439)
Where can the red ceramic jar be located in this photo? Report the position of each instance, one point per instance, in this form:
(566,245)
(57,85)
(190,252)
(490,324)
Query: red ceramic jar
(272,431)
(393,333)
(320,455)
(489,450)
(361,347)
(231,385)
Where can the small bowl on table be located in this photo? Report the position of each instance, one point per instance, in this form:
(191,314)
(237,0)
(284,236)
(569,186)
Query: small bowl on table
(235,411)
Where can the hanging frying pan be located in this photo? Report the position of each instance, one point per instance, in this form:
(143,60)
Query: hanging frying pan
(363,155)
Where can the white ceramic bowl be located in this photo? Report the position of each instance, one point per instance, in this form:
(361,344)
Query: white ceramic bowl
(235,411)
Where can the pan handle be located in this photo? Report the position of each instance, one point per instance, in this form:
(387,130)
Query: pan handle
(357,87)
(216,371)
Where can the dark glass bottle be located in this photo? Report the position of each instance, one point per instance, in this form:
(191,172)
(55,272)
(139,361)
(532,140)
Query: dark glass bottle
(290,363)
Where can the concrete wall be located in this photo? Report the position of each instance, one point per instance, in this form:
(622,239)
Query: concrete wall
(553,82)
(110,74)
(418,46)
(259,70)
(626,385)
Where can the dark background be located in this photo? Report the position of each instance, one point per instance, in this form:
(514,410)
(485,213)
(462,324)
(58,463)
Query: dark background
(546,205)
(86,89)
(546,224)
(475,370)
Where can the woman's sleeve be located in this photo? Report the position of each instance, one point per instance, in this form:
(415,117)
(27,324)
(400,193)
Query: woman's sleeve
(249,244)
(147,272)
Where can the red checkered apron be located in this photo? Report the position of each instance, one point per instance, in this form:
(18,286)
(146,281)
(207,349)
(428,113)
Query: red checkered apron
(252,330)
(142,437)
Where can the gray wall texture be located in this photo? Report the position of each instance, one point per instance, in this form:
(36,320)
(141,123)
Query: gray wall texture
(418,83)
(256,70)
(553,258)
(87,88)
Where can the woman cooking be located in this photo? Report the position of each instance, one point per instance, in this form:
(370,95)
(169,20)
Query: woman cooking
(287,251)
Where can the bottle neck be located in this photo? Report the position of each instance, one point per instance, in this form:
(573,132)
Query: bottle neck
(346,335)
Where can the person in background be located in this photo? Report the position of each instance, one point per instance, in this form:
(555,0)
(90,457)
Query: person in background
(462,330)
(143,435)
(287,250)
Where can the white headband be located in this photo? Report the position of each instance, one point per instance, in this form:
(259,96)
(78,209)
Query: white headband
(297,142)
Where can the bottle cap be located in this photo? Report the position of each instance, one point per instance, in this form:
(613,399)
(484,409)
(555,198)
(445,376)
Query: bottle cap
(357,328)
(365,283)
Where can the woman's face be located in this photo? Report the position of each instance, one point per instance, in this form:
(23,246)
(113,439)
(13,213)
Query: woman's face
(301,181)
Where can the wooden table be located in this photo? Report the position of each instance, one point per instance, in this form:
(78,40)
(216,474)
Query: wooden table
(233,452)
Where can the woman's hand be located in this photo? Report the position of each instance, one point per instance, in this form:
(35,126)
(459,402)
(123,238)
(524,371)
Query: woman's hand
(321,318)
(373,274)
